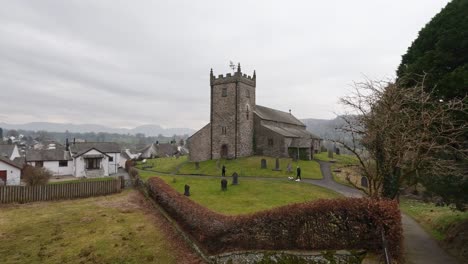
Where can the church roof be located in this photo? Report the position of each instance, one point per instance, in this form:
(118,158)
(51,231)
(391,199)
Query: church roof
(294,132)
(276,115)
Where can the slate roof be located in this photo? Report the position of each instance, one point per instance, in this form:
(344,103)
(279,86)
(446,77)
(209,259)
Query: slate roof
(6,150)
(106,147)
(125,155)
(276,115)
(166,149)
(47,155)
(91,155)
(296,132)
(8,161)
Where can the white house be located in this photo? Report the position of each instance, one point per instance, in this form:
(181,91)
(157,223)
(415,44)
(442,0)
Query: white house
(58,161)
(9,151)
(92,158)
(10,172)
(80,159)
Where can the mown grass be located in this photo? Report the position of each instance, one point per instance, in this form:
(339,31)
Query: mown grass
(164,165)
(250,166)
(342,159)
(83,180)
(251,195)
(434,219)
(94,230)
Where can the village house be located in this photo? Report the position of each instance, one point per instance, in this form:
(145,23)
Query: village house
(9,151)
(80,159)
(10,172)
(239,127)
(158,150)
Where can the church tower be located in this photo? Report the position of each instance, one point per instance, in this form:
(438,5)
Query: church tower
(232,120)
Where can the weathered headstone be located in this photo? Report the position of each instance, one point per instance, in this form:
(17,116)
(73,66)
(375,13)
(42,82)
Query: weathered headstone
(337,151)
(223,185)
(289,168)
(277,165)
(187,190)
(263,164)
(330,154)
(235,178)
(364,182)
(197,165)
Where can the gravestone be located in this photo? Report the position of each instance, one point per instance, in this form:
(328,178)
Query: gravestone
(197,165)
(223,185)
(289,168)
(187,190)
(364,182)
(330,154)
(277,165)
(263,164)
(337,150)
(235,178)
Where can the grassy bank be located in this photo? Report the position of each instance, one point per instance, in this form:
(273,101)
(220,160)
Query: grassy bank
(434,219)
(165,165)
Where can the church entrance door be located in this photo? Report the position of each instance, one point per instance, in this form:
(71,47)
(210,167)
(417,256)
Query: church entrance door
(224,151)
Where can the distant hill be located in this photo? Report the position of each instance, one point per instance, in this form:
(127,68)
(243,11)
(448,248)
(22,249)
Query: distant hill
(324,128)
(148,130)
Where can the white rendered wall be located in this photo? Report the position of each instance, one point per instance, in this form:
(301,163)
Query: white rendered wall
(13,173)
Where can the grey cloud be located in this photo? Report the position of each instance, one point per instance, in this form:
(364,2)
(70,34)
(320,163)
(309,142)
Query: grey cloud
(130,63)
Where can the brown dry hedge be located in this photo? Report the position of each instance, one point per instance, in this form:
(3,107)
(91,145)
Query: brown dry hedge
(347,223)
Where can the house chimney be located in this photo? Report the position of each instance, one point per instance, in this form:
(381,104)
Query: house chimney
(74,141)
(157,142)
(67,145)
(289,111)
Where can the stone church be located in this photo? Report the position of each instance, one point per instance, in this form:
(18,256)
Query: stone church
(239,127)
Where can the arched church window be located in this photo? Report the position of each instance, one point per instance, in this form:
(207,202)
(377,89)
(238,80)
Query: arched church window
(224,92)
(247,113)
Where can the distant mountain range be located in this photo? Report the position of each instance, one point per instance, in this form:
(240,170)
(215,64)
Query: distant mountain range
(148,130)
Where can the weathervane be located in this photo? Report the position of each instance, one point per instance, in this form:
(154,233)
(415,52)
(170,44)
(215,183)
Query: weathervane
(232,66)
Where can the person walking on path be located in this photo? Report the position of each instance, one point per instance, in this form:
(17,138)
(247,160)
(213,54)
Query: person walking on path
(223,171)
(298,174)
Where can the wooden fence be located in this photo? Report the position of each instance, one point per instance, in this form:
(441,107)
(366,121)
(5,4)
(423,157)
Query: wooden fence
(24,194)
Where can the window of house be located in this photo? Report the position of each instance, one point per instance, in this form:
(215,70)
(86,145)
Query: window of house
(63,163)
(111,159)
(39,164)
(93,164)
(270,142)
(224,92)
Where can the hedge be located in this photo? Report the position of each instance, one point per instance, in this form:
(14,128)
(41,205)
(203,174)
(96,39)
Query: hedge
(346,223)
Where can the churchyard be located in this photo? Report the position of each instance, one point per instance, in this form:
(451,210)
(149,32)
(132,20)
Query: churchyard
(250,195)
(120,228)
(247,166)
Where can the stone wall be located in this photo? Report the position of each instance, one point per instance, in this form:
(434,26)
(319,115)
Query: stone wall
(199,144)
(262,147)
(223,117)
(245,126)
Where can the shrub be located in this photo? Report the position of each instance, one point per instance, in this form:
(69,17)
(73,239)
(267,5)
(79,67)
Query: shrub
(349,223)
(36,176)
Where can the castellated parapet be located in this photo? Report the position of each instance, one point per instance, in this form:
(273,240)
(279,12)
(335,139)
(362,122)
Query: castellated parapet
(232,78)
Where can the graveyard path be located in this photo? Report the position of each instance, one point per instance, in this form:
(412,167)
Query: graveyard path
(419,246)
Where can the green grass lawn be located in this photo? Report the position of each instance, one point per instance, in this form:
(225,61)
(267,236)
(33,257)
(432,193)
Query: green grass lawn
(249,196)
(342,159)
(84,180)
(434,219)
(250,166)
(106,229)
(165,165)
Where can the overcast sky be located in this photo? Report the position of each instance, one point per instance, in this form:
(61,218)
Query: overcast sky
(128,63)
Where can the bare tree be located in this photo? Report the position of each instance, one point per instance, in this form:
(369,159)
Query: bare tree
(398,133)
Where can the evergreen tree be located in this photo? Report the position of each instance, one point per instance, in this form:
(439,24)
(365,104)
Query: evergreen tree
(441,52)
